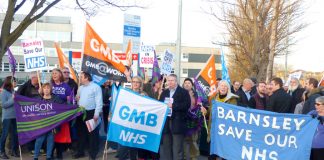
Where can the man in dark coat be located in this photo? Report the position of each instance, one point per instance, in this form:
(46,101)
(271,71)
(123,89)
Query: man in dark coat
(260,99)
(313,92)
(296,92)
(245,93)
(178,99)
(279,101)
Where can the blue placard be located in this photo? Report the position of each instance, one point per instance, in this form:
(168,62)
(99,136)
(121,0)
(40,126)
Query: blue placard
(243,133)
(132,31)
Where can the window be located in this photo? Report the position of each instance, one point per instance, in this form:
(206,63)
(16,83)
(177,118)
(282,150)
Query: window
(184,71)
(6,67)
(21,67)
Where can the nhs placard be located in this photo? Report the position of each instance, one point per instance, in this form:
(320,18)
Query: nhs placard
(137,121)
(34,56)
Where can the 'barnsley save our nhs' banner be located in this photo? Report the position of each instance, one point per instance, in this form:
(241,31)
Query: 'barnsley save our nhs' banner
(36,117)
(137,121)
(243,133)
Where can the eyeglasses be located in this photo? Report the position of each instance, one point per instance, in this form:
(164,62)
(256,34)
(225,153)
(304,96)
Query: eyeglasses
(136,82)
(318,104)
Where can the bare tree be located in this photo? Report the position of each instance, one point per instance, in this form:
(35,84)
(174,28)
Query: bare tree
(257,32)
(39,7)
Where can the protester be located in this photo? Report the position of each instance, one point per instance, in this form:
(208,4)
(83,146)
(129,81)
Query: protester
(63,91)
(67,79)
(279,101)
(31,87)
(8,118)
(123,151)
(296,92)
(317,152)
(224,95)
(90,97)
(259,100)
(178,99)
(49,136)
(194,123)
(313,92)
(269,89)
(244,93)
(236,86)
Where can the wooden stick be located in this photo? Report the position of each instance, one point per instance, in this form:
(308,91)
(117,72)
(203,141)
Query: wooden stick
(39,82)
(205,123)
(105,151)
(161,87)
(20,152)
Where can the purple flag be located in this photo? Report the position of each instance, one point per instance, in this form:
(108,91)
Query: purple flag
(36,117)
(201,94)
(156,73)
(12,62)
(141,72)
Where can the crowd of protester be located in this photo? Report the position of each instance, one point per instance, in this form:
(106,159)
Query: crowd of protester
(182,131)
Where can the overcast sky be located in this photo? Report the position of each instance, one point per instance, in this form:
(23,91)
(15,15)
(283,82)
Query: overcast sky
(159,24)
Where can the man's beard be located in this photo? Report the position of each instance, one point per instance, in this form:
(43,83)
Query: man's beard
(292,88)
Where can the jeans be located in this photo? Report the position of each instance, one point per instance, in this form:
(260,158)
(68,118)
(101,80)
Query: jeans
(50,144)
(9,125)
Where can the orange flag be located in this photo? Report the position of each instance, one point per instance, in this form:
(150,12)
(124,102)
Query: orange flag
(207,77)
(64,62)
(321,83)
(129,57)
(95,47)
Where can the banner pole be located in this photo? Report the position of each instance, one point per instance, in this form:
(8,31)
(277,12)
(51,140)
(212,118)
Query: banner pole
(20,152)
(105,151)
(161,87)
(205,123)
(39,82)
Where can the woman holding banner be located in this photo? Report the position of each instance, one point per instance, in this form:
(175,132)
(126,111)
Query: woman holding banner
(317,152)
(63,91)
(123,151)
(48,97)
(194,123)
(8,118)
(224,95)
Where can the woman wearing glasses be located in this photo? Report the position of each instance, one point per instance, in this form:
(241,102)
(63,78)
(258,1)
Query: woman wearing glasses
(317,152)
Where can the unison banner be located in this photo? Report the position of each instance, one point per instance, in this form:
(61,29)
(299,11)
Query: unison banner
(36,117)
(137,121)
(243,133)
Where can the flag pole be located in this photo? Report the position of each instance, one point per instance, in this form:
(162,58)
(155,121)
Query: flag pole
(161,87)
(105,151)
(39,82)
(20,152)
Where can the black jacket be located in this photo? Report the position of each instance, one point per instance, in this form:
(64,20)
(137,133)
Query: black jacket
(28,90)
(309,104)
(180,106)
(73,85)
(296,98)
(279,102)
(243,100)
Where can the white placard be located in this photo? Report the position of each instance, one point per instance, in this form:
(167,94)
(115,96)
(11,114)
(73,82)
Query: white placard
(34,55)
(146,58)
(167,60)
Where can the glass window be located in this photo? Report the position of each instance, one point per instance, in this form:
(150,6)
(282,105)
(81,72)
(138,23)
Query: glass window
(6,67)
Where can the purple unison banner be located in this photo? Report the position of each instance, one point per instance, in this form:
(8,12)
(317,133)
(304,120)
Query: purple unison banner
(36,117)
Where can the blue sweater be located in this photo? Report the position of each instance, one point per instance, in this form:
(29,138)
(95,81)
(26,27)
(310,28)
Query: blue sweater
(318,140)
(8,109)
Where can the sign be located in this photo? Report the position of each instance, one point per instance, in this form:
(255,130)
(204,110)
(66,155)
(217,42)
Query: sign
(75,60)
(132,30)
(36,117)
(34,56)
(146,56)
(243,133)
(167,60)
(137,121)
(293,75)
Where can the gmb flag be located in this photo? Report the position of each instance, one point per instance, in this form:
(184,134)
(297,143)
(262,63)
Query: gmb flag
(99,60)
(137,121)
(244,133)
(207,77)
(36,117)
